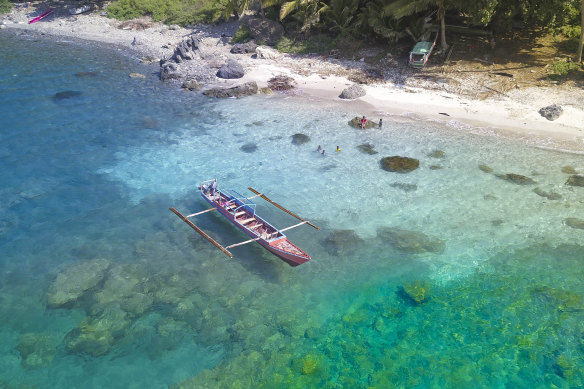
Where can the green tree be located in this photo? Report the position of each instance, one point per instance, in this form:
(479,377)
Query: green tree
(307,12)
(581,41)
(402,8)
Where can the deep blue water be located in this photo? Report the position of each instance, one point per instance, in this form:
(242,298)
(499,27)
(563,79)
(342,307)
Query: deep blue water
(448,276)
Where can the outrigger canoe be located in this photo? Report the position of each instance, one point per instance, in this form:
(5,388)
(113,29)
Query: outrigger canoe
(240,211)
(42,16)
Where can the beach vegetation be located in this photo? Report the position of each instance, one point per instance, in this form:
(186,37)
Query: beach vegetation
(5,6)
(562,69)
(241,35)
(182,12)
(317,43)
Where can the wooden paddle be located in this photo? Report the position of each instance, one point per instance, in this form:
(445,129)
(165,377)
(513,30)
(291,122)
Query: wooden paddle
(282,208)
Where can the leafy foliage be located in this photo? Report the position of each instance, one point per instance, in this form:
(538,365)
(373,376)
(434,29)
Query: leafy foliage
(563,68)
(5,6)
(340,14)
(169,11)
(241,35)
(315,44)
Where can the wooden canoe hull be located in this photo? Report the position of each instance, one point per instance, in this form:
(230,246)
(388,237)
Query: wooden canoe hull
(280,247)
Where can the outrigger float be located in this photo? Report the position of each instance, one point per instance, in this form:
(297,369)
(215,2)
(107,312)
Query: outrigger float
(240,211)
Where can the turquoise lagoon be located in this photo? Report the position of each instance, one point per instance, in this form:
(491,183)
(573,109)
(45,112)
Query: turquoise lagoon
(445,277)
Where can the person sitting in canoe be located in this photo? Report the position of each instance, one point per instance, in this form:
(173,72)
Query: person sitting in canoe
(363,123)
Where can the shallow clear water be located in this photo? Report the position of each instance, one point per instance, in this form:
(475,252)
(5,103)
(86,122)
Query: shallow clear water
(448,276)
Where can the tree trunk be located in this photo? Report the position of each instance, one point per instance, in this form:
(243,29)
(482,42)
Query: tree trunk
(580,44)
(441,14)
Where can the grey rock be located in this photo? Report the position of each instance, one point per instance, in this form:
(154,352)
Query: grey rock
(551,112)
(353,92)
(191,85)
(247,89)
(244,48)
(232,69)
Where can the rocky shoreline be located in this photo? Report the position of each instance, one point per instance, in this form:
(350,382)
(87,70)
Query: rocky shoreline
(203,58)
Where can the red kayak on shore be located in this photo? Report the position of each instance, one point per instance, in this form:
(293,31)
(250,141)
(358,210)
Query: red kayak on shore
(45,14)
(240,211)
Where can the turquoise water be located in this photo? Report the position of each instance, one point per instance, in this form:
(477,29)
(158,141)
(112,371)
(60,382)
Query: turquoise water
(448,276)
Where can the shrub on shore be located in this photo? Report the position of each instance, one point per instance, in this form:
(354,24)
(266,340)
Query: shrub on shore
(5,6)
(180,12)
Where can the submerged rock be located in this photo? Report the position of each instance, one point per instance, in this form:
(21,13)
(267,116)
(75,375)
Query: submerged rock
(575,223)
(436,154)
(410,241)
(36,350)
(547,195)
(75,280)
(416,292)
(485,168)
(399,164)
(575,180)
(300,139)
(67,94)
(569,169)
(342,241)
(96,335)
(404,187)
(249,147)
(516,179)
(247,89)
(367,148)
(353,92)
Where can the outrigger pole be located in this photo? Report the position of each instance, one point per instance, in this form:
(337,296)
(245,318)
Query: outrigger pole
(282,208)
(203,233)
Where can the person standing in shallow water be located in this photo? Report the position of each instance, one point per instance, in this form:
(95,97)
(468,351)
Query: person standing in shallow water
(363,123)
(380,123)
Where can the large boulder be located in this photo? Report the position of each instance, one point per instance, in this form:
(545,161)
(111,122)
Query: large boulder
(551,112)
(265,30)
(244,48)
(399,164)
(356,122)
(186,50)
(247,89)
(410,241)
(75,280)
(353,92)
(264,52)
(232,69)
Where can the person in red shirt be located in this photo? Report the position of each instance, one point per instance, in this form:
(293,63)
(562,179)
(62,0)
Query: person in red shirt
(363,123)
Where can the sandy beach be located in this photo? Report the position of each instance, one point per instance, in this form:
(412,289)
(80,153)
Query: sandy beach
(514,113)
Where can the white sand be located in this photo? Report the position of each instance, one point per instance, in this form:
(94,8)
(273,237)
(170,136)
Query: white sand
(515,113)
